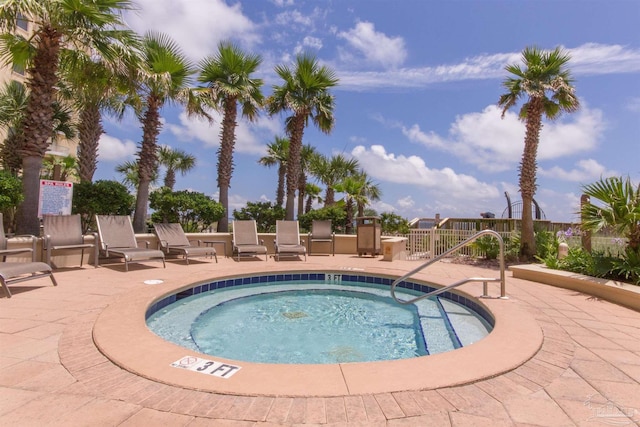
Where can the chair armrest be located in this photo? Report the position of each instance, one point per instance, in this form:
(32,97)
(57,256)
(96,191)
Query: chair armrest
(95,237)
(106,250)
(162,244)
(34,243)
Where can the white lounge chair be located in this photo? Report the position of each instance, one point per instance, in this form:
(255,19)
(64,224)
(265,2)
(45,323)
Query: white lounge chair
(245,239)
(173,241)
(287,242)
(118,238)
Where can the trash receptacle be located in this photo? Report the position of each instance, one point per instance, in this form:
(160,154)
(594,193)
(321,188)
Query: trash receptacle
(368,237)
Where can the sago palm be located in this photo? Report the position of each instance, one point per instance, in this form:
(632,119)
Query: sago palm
(229,83)
(58,25)
(166,79)
(546,86)
(305,93)
(277,153)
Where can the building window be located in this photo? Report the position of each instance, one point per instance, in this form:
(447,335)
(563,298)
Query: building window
(18,69)
(22,22)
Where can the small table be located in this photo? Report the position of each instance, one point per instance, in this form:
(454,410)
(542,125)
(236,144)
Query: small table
(221,242)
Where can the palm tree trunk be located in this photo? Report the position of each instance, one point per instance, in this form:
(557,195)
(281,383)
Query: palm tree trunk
(37,125)
(225,160)
(293,164)
(282,172)
(302,183)
(170,179)
(528,168)
(89,131)
(27,215)
(147,162)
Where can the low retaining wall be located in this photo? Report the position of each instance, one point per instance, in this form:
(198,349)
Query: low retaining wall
(617,292)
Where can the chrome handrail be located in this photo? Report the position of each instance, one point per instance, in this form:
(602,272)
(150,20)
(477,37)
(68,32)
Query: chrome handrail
(485,280)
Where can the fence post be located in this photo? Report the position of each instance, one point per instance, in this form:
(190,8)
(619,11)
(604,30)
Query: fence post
(586,234)
(432,243)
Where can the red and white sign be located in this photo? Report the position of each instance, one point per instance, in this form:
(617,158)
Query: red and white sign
(55,197)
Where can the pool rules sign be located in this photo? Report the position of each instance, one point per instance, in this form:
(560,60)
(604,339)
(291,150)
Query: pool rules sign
(55,197)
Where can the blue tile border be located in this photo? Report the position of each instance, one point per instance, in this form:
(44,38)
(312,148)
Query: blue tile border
(289,277)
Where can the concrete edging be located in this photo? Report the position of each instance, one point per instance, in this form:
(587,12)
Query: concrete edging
(621,293)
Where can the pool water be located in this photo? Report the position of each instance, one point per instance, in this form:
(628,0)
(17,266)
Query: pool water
(316,322)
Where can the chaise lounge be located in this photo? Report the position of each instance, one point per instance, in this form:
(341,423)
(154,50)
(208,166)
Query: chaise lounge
(245,239)
(287,242)
(118,238)
(173,241)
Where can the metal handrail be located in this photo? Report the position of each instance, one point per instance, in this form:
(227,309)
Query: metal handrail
(485,280)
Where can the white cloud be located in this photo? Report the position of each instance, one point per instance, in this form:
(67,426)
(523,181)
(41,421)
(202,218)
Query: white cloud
(250,137)
(586,170)
(208,22)
(112,149)
(588,58)
(376,47)
(481,138)
(412,170)
(595,58)
(406,202)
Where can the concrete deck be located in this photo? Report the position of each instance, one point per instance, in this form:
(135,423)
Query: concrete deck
(566,359)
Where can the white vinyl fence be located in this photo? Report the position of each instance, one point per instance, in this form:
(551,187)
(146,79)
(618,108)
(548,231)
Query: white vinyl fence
(432,242)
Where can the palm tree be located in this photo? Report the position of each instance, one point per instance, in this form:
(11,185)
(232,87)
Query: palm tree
(352,187)
(228,80)
(304,92)
(370,191)
(60,25)
(175,160)
(95,85)
(277,153)
(13,104)
(331,171)
(130,175)
(307,153)
(166,80)
(619,208)
(313,193)
(544,74)
(67,168)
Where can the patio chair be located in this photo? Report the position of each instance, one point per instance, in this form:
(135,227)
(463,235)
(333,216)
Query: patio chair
(6,251)
(65,232)
(245,239)
(287,241)
(117,238)
(173,241)
(321,233)
(14,272)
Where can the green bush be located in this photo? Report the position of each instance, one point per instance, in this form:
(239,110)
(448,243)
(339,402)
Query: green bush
(487,245)
(391,223)
(194,211)
(264,213)
(102,197)
(10,197)
(336,214)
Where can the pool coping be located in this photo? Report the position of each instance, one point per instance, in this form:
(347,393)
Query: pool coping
(121,334)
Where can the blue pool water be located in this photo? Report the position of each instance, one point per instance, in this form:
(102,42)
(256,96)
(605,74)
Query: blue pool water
(312,321)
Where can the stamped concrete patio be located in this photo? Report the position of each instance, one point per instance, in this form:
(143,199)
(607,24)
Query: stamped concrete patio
(586,371)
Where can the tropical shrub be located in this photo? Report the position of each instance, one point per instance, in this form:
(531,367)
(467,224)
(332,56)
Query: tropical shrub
(10,197)
(194,211)
(102,197)
(264,213)
(335,213)
(391,223)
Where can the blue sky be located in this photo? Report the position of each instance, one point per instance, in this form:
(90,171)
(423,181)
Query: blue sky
(416,102)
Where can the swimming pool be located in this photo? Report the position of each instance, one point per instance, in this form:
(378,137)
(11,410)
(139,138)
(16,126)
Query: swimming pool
(316,318)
